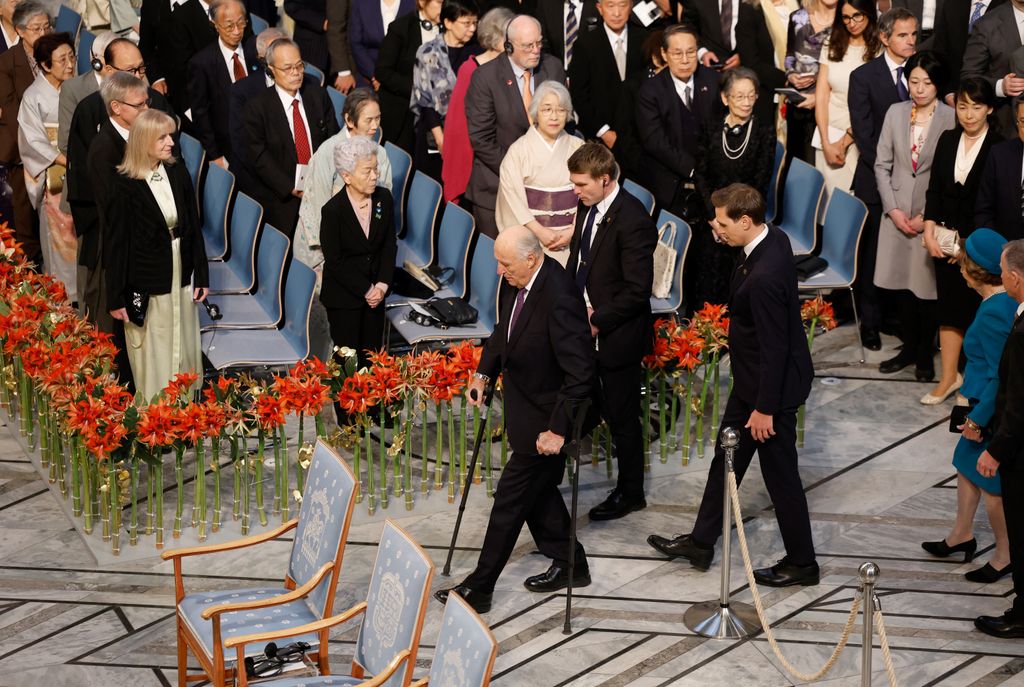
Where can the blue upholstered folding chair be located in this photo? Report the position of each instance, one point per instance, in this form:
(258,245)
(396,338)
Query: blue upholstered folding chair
(68,21)
(220,184)
(238,273)
(206,619)
(424,201)
(314,72)
(401,167)
(263,309)
(465,649)
(269,347)
(194,155)
(453,241)
(259,24)
(338,100)
(772,201)
(85,40)
(840,243)
(645,197)
(389,635)
(681,244)
(805,189)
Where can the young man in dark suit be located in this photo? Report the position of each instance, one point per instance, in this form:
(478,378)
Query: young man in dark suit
(612,259)
(607,54)
(1006,449)
(1000,195)
(211,72)
(562,22)
(543,350)
(772,373)
(284,125)
(496,111)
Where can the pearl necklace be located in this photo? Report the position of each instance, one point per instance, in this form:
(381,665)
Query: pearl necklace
(736,153)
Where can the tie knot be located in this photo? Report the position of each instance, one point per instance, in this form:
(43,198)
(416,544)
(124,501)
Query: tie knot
(295,104)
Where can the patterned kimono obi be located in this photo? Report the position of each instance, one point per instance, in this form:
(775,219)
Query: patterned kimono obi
(553,208)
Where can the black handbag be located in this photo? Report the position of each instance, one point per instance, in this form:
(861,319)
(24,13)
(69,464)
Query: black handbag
(452,312)
(136,303)
(958,416)
(808,266)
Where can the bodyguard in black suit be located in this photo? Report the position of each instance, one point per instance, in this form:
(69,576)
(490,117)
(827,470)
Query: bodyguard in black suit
(189,32)
(772,373)
(542,348)
(552,17)
(595,81)
(873,88)
(669,128)
(998,204)
(274,144)
(1006,449)
(612,259)
(210,78)
(395,64)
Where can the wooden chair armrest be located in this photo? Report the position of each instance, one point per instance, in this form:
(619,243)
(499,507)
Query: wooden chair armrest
(421,682)
(308,628)
(293,595)
(174,554)
(382,677)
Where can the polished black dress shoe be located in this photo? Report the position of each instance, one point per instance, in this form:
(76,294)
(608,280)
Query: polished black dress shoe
(683,546)
(480,602)
(924,373)
(940,549)
(892,365)
(986,574)
(871,339)
(555,578)
(1005,626)
(617,505)
(784,574)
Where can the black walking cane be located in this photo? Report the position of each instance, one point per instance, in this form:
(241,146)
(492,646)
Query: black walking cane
(577,429)
(488,395)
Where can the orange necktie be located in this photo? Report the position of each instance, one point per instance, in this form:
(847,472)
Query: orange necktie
(527,95)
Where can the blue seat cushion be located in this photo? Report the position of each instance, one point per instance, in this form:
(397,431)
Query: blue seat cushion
(238,311)
(663,305)
(224,279)
(320,681)
(240,623)
(248,347)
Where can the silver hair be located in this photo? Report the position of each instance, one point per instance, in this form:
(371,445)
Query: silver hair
(277,45)
(1014,252)
(546,88)
(266,37)
(513,32)
(217,4)
(27,9)
(887,22)
(350,151)
(99,45)
(118,86)
(490,32)
(527,244)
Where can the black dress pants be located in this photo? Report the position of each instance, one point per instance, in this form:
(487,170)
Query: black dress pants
(778,459)
(528,493)
(1011,479)
(360,329)
(867,294)
(620,407)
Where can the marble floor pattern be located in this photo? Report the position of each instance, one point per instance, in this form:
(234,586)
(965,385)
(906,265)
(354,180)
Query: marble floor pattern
(876,468)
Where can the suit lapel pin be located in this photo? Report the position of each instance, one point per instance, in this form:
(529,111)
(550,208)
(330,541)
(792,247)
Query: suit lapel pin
(509,82)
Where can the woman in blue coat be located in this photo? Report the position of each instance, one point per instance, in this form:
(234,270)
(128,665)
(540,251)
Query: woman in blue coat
(983,346)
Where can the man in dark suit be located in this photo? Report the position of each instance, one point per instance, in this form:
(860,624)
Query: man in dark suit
(496,110)
(612,258)
(393,74)
(342,62)
(190,31)
(670,112)
(211,72)
(1000,194)
(607,54)
(154,24)
(562,23)
(873,88)
(954,21)
(772,373)
(928,14)
(1005,451)
(543,350)
(284,126)
(715,23)
(8,34)
(994,38)
(310,17)
(756,51)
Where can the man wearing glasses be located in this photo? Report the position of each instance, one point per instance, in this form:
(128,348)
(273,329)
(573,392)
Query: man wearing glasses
(496,110)
(227,60)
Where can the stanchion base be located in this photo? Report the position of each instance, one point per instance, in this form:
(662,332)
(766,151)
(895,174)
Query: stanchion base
(711,619)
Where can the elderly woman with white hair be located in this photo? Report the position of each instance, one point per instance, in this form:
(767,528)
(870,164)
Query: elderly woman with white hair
(357,236)
(534,190)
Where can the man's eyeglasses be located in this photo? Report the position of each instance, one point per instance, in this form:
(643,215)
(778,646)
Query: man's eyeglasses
(144,105)
(234,26)
(530,47)
(289,68)
(680,54)
(138,71)
(855,18)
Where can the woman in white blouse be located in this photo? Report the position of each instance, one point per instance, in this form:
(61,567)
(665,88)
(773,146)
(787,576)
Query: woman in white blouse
(155,257)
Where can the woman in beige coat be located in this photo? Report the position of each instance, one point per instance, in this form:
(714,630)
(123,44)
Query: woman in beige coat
(903,166)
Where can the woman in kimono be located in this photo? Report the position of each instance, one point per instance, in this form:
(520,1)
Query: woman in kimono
(534,188)
(37,143)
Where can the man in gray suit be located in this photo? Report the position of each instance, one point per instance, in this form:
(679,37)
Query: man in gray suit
(496,105)
(995,37)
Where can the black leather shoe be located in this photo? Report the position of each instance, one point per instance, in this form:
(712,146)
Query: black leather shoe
(940,549)
(888,367)
(986,574)
(784,574)
(684,546)
(480,602)
(924,373)
(616,506)
(1004,626)
(555,578)
(871,339)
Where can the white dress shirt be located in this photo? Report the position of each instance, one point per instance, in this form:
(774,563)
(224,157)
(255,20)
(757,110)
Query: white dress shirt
(160,185)
(12,39)
(1020,309)
(526,289)
(749,248)
(732,30)
(613,38)
(681,87)
(892,65)
(286,102)
(928,14)
(388,13)
(228,55)
(120,129)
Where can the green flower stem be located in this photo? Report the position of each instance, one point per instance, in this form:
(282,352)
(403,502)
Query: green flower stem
(715,417)
(438,465)
(646,400)
(179,453)
(673,413)
(424,474)
(200,493)
(76,475)
(159,488)
(453,453)
(687,418)
(105,489)
(286,493)
(382,484)
(372,506)
(399,429)
(115,510)
(357,454)
(84,460)
(216,483)
(662,430)
(476,430)
(150,498)
(276,509)
(300,472)
(245,462)
(44,438)
(321,428)
(236,494)
(410,413)
(260,451)
(462,440)
(133,527)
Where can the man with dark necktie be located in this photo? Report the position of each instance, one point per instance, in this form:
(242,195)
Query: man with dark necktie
(772,373)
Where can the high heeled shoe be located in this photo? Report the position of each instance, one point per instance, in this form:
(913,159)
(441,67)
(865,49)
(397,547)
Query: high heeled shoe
(941,549)
(987,574)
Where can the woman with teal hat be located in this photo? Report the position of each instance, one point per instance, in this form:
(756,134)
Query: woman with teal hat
(983,347)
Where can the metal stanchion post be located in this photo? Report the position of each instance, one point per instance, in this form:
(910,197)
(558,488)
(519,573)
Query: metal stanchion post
(868,577)
(720,618)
